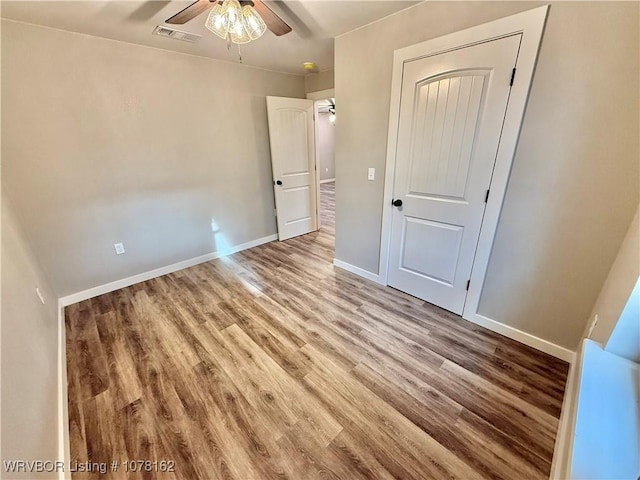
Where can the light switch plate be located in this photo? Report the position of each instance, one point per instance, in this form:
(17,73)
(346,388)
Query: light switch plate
(371,175)
(119,247)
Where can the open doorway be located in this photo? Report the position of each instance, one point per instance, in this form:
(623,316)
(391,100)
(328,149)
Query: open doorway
(325,151)
(325,117)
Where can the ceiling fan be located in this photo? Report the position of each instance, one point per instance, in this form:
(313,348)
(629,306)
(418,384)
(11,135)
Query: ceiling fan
(271,19)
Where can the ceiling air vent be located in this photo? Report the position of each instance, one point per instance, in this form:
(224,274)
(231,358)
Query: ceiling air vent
(177,34)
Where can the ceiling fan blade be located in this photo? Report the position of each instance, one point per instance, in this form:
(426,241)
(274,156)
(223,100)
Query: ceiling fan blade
(192,11)
(273,21)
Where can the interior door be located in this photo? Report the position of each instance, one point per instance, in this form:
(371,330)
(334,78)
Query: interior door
(291,133)
(452,107)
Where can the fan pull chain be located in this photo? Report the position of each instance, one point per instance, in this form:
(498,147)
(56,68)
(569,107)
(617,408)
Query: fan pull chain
(229,48)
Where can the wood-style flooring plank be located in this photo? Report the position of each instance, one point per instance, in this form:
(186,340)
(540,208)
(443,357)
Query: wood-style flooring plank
(401,442)
(272,364)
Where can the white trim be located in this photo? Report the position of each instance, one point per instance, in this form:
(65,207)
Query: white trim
(64,450)
(523,337)
(566,425)
(510,332)
(531,25)
(560,451)
(377,20)
(357,270)
(141,277)
(328,180)
(322,94)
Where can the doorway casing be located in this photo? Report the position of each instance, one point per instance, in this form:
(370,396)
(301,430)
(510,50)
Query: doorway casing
(531,25)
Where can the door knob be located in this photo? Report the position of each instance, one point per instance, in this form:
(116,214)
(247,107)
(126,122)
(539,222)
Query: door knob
(396,203)
(278,182)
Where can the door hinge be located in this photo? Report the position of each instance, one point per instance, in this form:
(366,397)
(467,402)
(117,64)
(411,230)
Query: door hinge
(486,197)
(513,75)
(275,212)
(468,283)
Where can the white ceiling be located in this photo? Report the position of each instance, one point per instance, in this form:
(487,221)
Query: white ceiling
(315,23)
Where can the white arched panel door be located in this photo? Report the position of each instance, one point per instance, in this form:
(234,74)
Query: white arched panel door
(452,109)
(291,133)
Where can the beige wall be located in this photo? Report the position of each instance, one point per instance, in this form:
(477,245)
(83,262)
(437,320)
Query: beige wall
(317,82)
(29,354)
(326,146)
(574,184)
(625,338)
(107,142)
(617,288)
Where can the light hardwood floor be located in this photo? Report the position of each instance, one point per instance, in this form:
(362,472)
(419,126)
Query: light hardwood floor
(272,364)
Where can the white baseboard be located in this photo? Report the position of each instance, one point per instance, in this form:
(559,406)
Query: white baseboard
(328,180)
(513,333)
(566,425)
(523,337)
(142,277)
(64,450)
(374,277)
(562,449)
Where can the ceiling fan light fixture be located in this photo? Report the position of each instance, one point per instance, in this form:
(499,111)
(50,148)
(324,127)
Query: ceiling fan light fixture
(240,24)
(217,21)
(253,22)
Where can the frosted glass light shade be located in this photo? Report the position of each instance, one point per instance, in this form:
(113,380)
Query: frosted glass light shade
(238,32)
(232,10)
(217,21)
(253,22)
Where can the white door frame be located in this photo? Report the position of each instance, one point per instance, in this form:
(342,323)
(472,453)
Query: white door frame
(531,25)
(316,97)
(322,94)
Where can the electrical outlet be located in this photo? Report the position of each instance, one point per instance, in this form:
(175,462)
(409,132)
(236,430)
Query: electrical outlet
(371,175)
(119,248)
(40,296)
